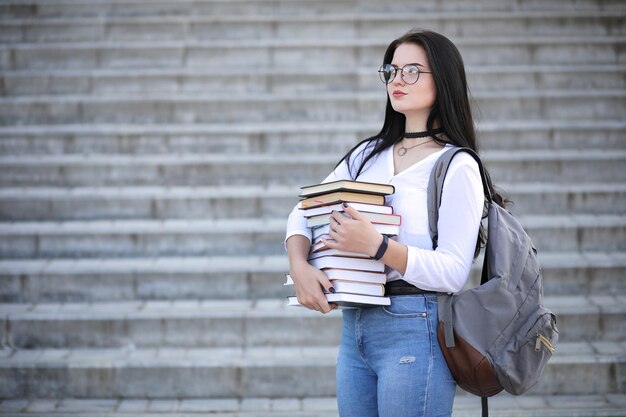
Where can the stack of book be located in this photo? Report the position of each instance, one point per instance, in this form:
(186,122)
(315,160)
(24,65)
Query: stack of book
(357,279)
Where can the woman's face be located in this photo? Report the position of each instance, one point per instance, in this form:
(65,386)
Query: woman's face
(415,98)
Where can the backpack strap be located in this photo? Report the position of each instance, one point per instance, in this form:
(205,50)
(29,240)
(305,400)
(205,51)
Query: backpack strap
(435,187)
(435,192)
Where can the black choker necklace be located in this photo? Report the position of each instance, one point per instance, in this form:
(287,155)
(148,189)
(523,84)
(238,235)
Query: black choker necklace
(402,150)
(422,134)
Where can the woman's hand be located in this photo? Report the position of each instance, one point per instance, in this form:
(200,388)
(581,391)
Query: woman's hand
(353,234)
(309,283)
(308,280)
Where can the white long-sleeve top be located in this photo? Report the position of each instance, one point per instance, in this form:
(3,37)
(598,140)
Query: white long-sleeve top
(447,268)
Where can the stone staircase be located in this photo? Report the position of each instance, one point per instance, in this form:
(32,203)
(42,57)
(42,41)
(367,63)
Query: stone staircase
(150,153)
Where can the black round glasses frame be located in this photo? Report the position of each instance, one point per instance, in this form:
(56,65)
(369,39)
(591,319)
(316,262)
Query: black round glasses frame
(388,72)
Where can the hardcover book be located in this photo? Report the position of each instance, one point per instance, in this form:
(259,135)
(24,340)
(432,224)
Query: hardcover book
(352,287)
(357,264)
(385,229)
(370,208)
(336,252)
(358,276)
(346,185)
(319,246)
(377,218)
(341,197)
(349,300)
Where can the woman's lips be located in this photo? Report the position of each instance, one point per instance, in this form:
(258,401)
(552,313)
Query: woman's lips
(398,93)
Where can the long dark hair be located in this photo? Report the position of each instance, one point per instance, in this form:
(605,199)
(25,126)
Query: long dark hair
(451,109)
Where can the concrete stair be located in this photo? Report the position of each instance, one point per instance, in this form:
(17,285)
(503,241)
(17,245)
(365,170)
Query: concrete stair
(282,137)
(35,281)
(103,8)
(202,27)
(464,406)
(144,190)
(274,372)
(290,53)
(283,80)
(324,106)
(279,169)
(244,202)
(260,237)
(244,323)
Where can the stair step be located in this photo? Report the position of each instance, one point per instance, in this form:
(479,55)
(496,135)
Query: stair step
(226,237)
(66,9)
(576,368)
(524,50)
(242,323)
(286,137)
(321,106)
(280,169)
(146,202)
(250,277)
(350,26)
(502,405)
(96,159)
(279,80)
(354,16)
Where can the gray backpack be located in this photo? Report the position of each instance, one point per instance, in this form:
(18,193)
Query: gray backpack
(498,335)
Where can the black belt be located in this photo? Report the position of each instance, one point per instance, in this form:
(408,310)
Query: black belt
(401,287)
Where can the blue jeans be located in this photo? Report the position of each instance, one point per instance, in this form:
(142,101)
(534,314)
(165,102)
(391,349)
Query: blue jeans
(390,364)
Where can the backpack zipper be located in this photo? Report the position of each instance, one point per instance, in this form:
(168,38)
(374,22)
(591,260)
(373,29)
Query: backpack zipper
(542,339)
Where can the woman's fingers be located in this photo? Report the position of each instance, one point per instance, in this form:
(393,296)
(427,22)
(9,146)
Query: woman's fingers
(310,291)
(353,213)
(338,218)
(328,287)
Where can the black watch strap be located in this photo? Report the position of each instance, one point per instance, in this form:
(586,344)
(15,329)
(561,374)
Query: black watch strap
(382,248)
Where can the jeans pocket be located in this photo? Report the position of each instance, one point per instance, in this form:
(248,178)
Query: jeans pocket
(407,306)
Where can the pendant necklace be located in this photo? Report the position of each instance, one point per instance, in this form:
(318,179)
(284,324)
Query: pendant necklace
(415,135)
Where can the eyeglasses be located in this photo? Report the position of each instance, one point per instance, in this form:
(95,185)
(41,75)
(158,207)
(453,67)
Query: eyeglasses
(410,73)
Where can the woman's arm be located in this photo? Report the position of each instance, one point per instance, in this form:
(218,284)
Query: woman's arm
(308,280)
(445,269)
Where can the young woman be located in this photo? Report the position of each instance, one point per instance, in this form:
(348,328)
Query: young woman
(390,363)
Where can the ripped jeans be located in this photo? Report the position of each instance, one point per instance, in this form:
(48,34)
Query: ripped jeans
(390,364)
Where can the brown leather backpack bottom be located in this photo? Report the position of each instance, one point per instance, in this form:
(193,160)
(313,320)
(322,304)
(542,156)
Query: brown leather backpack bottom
(471,370)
